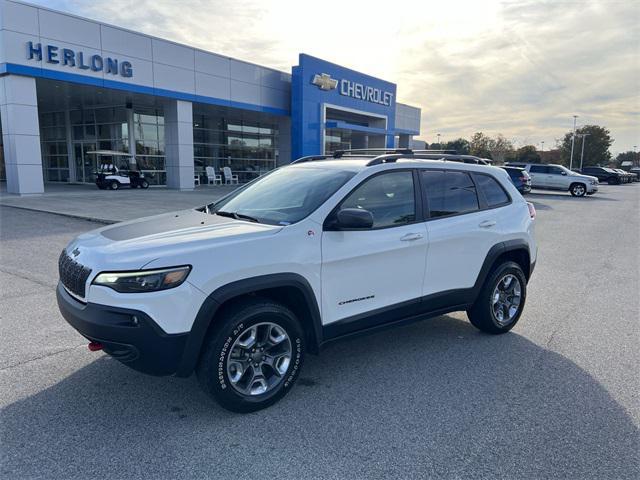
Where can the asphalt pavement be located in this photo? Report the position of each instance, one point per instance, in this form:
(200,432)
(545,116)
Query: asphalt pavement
(555,398)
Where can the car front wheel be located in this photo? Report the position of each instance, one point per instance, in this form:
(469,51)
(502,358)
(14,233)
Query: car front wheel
(114,185)
(253,357)
(578,189)
(501,300)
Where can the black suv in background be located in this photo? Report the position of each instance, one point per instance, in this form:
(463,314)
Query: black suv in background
(520,178)
(604,175)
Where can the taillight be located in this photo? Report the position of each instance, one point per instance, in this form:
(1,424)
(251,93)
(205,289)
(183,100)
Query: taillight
(532,210)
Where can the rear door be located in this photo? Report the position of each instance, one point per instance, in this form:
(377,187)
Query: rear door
(380,267)
(462,227)
(539,174)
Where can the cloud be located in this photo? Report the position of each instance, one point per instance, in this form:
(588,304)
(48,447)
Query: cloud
(521,68)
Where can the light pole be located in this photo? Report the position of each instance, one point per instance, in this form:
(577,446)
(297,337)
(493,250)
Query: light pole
(637,160)
(584,135)
(439,146)
(573,141)
(542,143)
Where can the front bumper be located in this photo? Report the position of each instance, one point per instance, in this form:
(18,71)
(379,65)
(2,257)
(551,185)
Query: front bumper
(129,336)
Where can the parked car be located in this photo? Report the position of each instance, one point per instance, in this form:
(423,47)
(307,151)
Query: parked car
(557,177)
(242,289)
(627,177)
(636,172)
(520,179)
(604,174)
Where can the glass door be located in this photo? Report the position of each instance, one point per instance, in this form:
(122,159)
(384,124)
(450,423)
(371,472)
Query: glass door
(85,163)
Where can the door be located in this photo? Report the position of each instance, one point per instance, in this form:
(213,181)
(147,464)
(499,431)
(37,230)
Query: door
(557,178)
(538,174)
(462,229)
(85,163)
(379,267)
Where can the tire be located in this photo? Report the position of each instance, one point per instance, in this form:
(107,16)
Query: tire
(265,321)
(613,181)
(482,314)
(144,184)
(578,189)
(114,185)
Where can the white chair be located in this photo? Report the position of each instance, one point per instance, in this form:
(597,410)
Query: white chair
(229,178)
(212,177)
(196,180)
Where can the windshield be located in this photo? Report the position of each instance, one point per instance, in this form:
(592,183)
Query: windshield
(283,197)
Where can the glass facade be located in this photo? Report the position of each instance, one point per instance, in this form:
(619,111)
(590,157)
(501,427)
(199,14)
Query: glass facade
(53,137)
(247,145)
(336,139)
(148,125)
(247,142)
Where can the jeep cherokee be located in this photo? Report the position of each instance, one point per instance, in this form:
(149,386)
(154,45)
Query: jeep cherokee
(240,290)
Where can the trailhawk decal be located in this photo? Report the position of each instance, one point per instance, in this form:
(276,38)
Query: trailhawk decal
(360,299)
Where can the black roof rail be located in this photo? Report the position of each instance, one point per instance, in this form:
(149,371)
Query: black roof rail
(374,151)
(311,158)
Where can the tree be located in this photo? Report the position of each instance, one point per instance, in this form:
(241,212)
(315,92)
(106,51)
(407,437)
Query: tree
(528,154)
(460,145)
(596,146)
(629,156)
(479,145)
(500,148)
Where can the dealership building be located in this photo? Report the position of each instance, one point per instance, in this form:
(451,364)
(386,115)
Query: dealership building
(75,92)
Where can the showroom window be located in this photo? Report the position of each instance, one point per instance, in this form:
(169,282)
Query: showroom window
(246,143)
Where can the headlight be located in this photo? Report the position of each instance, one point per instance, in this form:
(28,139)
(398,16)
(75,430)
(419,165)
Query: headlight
(143,280)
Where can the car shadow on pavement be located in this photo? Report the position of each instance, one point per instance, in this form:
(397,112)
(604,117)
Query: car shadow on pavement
(567,196)
(436,398)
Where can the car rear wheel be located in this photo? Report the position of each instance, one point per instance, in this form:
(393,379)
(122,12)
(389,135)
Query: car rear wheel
(253,357)
(114,185)
(501,300)
(578,189)
(144,184)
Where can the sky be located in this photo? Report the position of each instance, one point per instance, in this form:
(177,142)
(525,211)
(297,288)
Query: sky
(519,68)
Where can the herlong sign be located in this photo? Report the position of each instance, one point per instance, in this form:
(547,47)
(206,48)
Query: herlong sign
(70,58)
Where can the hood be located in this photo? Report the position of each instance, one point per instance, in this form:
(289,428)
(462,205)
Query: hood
(133,244)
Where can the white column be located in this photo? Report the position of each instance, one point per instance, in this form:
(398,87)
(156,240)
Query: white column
(21,135)
(178,135)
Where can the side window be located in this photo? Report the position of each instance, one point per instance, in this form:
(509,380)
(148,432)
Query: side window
(538,169)
(555,171)
(494,194)
(449,192)
(389,197)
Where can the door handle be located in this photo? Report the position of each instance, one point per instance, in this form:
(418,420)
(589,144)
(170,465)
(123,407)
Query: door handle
(409,237)
(487,224)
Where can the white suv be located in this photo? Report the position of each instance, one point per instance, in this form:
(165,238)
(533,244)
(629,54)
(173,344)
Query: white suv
(557,177)
(325,248)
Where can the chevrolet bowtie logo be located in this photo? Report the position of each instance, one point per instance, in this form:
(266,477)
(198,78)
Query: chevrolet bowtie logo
(324,82)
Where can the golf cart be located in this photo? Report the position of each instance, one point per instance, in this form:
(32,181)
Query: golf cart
(110,176)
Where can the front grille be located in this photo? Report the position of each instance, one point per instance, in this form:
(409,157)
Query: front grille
(72,274)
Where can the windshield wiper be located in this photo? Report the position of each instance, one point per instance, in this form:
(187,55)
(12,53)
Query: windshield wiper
(237,216)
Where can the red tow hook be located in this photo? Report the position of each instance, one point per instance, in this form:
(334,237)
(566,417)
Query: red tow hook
(95,346)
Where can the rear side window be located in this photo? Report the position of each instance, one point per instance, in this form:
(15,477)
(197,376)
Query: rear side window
(449,192)
(493,192)
(538,169)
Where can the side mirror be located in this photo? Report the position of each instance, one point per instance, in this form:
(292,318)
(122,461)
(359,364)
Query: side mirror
(354,218)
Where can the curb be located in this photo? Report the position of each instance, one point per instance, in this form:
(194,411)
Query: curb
(103,221)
